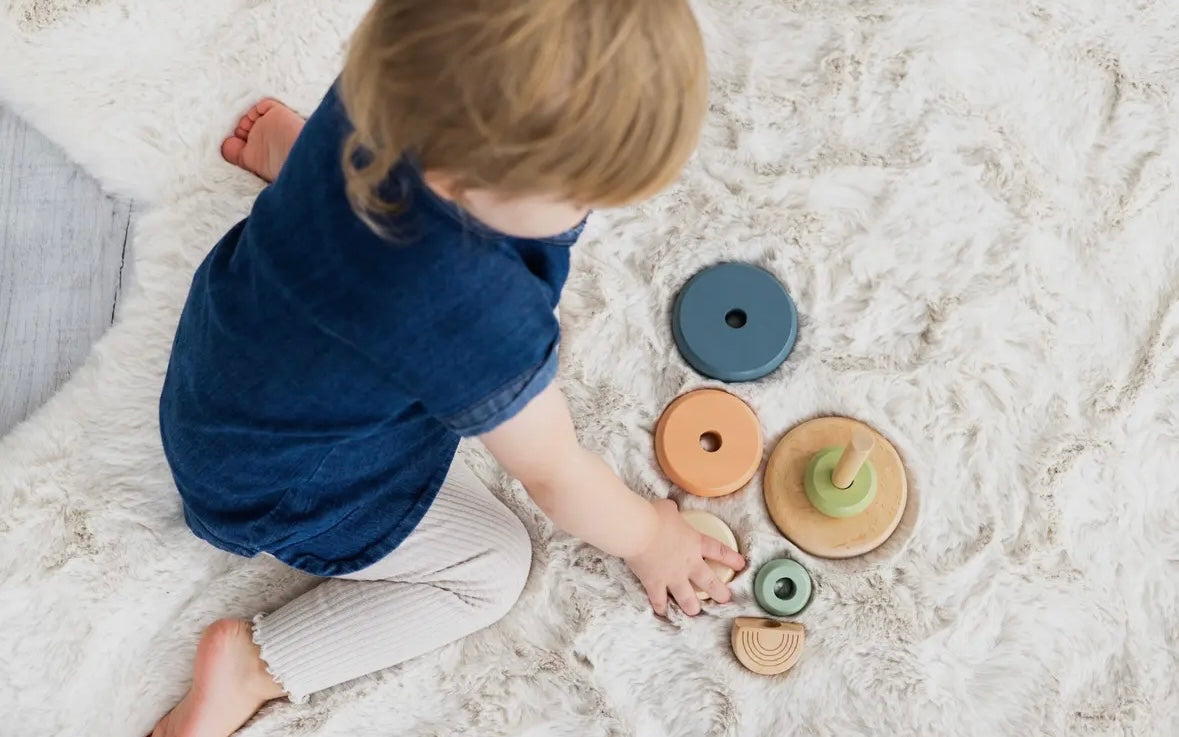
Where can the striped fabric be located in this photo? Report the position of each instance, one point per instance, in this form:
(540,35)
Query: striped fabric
(460,570)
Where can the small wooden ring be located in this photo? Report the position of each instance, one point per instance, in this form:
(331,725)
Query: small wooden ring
(828,498)
(782,601)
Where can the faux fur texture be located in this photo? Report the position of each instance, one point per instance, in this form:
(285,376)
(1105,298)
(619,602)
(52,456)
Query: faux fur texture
(974,204)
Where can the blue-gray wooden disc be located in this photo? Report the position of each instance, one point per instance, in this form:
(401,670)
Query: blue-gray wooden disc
(734,322)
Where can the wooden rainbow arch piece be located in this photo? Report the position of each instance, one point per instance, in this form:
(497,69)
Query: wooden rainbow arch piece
(767,646)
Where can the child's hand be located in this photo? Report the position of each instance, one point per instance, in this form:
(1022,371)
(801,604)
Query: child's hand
(674,560)
(584,497)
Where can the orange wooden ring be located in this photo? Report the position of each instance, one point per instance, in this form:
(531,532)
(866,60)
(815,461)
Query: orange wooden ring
(722,422)
(807,527)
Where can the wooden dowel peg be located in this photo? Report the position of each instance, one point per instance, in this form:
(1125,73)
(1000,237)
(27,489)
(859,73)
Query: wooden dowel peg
(852,459)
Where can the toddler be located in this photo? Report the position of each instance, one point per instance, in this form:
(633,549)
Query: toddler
(392,290)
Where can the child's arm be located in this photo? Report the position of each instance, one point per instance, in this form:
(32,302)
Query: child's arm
(579,492)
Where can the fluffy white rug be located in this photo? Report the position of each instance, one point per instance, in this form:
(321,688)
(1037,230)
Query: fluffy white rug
(974,203)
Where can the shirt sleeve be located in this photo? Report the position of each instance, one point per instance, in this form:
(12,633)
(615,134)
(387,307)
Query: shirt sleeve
(484,347)
(505,402)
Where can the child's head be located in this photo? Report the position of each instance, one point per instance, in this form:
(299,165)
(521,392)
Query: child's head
(526,112)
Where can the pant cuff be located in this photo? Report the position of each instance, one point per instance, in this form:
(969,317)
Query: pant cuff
(276,660)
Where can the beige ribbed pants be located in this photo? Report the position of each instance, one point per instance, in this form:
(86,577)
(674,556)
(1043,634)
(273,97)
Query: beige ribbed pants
(460,570)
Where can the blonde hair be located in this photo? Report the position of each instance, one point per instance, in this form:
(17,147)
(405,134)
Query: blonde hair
(597,101)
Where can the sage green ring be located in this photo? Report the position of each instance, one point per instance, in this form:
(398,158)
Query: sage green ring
(782,587)
(829,498)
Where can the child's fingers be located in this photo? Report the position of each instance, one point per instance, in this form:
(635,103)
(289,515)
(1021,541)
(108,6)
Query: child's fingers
(657,595)
(707,582)
(685,596)
(713,549)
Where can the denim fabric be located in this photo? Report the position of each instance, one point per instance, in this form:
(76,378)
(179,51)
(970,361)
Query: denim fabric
(321,375)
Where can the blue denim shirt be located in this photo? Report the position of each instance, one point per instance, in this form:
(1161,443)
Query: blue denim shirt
(321,375)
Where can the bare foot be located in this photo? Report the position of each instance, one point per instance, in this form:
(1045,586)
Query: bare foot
(229,685)
(263,139)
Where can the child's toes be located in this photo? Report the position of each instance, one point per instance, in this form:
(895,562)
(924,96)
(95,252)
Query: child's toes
(263,107)
(232,148)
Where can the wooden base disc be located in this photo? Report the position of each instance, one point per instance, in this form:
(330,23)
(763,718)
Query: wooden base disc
(807,527)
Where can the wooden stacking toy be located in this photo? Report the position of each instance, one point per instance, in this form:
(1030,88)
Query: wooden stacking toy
(766,646)
(712,526)
(708,442)
(734,322)
(836,487)
(783,587)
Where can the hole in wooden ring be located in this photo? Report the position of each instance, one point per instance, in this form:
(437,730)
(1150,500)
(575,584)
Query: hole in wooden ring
(710,442)
(736,318)
(785,588)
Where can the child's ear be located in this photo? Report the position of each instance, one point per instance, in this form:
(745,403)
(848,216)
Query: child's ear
(444,184)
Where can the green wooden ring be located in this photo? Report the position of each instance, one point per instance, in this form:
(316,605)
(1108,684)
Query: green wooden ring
(829,498)
(783,587)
